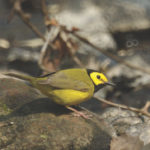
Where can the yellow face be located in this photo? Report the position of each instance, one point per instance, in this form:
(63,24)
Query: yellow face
(98,78)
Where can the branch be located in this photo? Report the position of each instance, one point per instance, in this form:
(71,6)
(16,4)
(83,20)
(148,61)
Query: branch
(143,111)
(46,14)
(50,37)
(64,35)
(72,50)
(110,55)
(17,8)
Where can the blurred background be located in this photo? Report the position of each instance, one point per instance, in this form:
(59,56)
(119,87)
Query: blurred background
(40,36)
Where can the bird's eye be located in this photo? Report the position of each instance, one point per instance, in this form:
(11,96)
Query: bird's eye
(98,77)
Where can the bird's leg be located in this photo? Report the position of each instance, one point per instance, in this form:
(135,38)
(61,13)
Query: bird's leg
(81,114)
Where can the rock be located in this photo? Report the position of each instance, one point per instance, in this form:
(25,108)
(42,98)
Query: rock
(128,123)
(125,142)
(30,121)
(132,86)
(146,147)
(125,15)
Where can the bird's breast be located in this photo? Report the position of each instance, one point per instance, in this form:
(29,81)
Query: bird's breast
(69,97)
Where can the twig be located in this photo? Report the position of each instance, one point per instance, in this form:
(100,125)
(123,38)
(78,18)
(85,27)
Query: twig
(44,9)
(108,54)
(140,111)
(90,112)
(71,49)
(50,37)
(146,107)
(45,13)
(63,33)
(17,8)
(42,54)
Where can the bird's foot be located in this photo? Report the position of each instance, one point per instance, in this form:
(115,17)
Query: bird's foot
(82,114)
(78,113)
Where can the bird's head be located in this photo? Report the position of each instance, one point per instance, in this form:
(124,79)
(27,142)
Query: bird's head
(99,79)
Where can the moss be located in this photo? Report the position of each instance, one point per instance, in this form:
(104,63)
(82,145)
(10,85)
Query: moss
(4,110)
(43,136)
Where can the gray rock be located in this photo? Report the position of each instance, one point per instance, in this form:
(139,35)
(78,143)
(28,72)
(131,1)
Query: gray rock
(146,147)
(126,15)
(29,121)
(129,123)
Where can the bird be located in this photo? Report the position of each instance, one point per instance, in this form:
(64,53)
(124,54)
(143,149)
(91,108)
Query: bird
(67,87)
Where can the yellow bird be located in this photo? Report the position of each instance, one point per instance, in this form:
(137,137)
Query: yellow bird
(68,87)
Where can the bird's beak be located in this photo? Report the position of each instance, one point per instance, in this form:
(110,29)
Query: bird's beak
(111,84)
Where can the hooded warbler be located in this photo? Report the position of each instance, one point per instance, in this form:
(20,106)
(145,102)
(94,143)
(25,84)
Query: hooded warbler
(67,87)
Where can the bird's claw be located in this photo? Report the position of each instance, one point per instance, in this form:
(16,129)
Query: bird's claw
(82,114)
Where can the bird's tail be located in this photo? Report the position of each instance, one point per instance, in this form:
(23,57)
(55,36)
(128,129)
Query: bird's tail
(20,76)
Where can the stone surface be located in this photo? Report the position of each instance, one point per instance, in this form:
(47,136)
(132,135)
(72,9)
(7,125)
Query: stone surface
(30,121)
(129,123)
(126,15)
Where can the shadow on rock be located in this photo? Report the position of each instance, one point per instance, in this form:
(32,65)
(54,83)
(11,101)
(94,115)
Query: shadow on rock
(41,105)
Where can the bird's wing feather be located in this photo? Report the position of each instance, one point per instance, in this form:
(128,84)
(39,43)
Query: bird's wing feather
(62,81)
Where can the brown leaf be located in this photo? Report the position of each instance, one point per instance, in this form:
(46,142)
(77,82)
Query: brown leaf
(52,22)
(74,29)
(63,45)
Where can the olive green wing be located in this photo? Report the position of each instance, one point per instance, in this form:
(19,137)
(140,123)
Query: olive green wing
(61,80)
